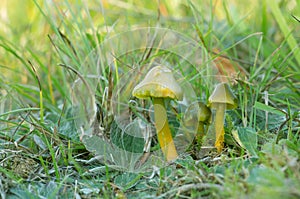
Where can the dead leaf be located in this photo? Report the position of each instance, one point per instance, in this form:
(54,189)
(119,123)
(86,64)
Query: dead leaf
(163,10)
(228,71)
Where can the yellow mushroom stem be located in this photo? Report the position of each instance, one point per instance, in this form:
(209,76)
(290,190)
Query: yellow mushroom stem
(219,125)
(163,131)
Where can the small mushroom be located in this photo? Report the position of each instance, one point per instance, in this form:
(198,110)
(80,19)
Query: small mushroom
(197,116)
(221,99)
(160,84)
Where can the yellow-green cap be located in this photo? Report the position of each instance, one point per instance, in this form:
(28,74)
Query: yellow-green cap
(223,95)
(159,82)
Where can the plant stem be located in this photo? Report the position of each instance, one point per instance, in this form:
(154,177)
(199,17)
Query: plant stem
(219,126)
(200,134)
(163,131)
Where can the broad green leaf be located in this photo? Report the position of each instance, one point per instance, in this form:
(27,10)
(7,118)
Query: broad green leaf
(128,139)
(246,137)
(265,176)
(127,180)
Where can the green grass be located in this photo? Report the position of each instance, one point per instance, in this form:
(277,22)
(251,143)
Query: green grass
(47,50)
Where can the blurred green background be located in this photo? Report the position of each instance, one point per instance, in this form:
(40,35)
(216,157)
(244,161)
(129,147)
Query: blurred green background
(27,29)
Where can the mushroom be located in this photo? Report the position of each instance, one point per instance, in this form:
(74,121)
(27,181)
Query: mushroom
(159,84)
(197,115)
(221,99)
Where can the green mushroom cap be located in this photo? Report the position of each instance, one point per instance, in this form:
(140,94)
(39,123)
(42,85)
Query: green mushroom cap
(158,83)
(223,95)
(197,112)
